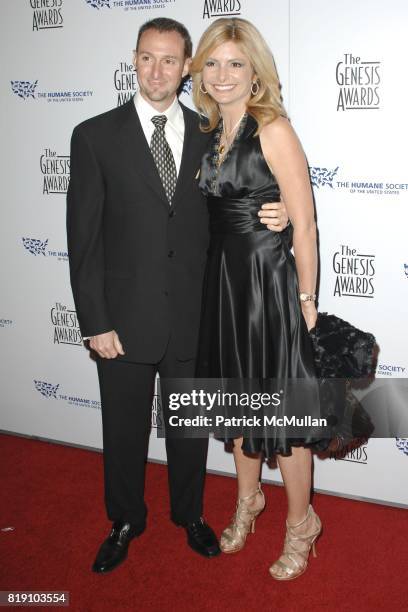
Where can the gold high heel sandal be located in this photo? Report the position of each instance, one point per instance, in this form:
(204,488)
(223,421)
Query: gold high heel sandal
(297,548)
(233,537)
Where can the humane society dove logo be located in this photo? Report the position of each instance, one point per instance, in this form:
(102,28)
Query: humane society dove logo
(402,445)
(34,246)
(126,5)
(319,177)
(40,247)
(98,4)
(24,89)
(46,389)
(50,391)
(187,86)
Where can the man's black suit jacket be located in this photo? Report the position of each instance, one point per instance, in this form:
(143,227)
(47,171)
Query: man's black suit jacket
(136,263)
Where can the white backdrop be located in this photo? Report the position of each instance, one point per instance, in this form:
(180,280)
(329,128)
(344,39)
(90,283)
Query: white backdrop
(342,68)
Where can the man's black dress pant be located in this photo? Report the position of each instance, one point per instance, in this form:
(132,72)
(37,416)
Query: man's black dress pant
(126,394)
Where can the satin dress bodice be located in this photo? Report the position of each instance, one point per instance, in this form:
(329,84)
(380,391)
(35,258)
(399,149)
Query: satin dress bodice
(237,187)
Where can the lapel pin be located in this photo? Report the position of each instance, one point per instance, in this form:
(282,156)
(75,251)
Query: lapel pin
(198,174)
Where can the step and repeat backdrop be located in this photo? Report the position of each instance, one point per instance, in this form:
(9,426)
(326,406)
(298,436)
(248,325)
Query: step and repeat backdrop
(342,69)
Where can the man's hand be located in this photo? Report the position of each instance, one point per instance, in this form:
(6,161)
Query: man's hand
(107,345)
(274,215)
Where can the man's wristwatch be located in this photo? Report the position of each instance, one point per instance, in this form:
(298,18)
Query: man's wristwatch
(307,297)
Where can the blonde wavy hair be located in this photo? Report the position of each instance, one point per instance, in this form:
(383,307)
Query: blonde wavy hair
(267,104)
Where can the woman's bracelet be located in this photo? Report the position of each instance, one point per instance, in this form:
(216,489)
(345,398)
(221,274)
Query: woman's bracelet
(307,297)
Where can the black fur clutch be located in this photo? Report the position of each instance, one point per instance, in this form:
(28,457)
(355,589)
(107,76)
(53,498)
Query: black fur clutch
(342,352)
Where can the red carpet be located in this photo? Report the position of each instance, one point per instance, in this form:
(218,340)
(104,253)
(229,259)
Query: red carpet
(52,496)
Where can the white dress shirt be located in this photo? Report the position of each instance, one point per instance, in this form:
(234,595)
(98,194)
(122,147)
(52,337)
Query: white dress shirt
(174,128)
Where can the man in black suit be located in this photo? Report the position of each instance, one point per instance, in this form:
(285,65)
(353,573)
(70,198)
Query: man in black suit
(137,238)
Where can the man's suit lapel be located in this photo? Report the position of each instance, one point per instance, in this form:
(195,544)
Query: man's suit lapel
(191,156)
(137,148)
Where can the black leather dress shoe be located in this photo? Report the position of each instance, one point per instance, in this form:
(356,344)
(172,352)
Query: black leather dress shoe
(202,539)
(114,549)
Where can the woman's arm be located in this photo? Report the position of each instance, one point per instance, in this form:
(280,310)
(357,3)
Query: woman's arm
(284,155)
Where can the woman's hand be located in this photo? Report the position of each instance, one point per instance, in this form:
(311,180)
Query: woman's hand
(309,312)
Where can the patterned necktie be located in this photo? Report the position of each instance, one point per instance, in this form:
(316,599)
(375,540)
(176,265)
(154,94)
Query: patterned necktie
(163,156)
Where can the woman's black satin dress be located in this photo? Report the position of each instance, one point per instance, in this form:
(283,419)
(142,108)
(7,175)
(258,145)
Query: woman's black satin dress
(251,325)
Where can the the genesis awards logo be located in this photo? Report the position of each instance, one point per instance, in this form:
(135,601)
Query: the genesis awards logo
(354,273)
(36,247)
(47,14)
(402,445)
(125,81)
(358,82)
(50,391)
(352,453)
(55,170)
(132,5)
(65,324)
(221,8)
(323,177)
(26,89)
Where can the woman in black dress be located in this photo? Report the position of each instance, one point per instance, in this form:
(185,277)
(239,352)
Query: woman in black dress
(258,301)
